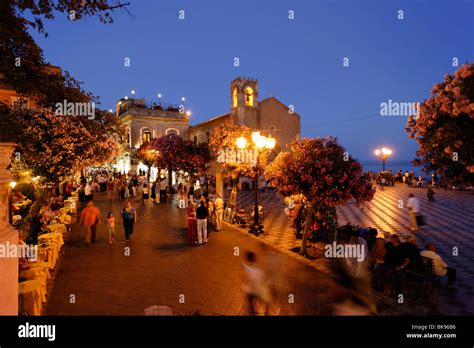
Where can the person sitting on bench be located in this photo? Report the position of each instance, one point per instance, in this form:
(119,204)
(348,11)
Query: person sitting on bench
(441,269)
(397,261)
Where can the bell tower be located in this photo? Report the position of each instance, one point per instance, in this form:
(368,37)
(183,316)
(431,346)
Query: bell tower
(244,101)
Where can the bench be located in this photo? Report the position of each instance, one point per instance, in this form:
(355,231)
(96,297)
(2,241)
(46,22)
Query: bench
(423,271)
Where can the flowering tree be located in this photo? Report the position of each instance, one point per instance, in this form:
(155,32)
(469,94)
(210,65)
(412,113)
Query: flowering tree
(444,128)
(174,153)
(321,172)
(195,158)
(54,146)
(150,156)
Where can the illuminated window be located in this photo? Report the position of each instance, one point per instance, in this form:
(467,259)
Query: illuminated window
(146,136)
(127,136)
(172,131)
(235,98)
(248,96)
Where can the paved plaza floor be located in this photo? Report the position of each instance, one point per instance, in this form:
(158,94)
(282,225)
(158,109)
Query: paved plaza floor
(162,269)
(449,225)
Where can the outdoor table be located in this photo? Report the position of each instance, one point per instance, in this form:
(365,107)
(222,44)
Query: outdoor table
(34,273)
(49,254)
(65,219)
(40,266)
(31,295)
(56,237)
(58,228)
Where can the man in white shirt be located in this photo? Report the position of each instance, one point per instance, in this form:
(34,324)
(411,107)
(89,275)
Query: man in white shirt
(440,267)
(413,206)
(219,209)
(88,192)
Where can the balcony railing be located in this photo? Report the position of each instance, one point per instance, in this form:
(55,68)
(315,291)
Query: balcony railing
(142,104)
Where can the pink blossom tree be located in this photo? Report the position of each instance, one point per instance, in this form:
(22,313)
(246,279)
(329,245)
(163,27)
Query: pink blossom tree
(323,173)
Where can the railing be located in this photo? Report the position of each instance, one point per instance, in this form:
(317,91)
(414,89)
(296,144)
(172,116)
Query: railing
(141,104)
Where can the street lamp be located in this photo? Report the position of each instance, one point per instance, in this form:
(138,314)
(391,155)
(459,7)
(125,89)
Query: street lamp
(384,153)
(260,142)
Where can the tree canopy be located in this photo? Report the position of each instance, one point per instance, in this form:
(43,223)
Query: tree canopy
(236,163)
(444,127)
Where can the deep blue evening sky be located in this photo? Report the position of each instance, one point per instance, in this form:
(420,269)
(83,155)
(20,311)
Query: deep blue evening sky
(298,61)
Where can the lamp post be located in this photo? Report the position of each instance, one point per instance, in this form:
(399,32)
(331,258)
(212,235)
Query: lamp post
(384,153)
(260,142)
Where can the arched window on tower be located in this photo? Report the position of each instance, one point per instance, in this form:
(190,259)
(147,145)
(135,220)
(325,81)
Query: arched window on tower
(272,130)
(249,96)
(235,97)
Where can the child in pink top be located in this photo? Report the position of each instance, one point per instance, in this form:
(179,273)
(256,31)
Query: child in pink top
(111,227)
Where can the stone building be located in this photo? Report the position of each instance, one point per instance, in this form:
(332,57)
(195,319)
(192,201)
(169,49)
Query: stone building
(269,116)
(145,121)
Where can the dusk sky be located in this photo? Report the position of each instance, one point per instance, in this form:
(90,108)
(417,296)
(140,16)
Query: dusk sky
(299,61)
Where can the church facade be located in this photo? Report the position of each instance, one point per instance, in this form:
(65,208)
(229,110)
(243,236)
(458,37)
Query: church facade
(269,116)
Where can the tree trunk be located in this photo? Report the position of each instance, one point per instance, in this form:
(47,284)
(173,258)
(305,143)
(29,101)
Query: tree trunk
(307,228)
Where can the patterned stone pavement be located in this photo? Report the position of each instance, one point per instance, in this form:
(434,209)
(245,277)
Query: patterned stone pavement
(163,269)
(450,222)
(162,266)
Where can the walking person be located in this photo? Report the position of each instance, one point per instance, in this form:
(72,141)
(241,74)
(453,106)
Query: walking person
(88,192)
(146,194)
(111,227)
(90,217)
(185,196)
(126,194)
(110,189)
(430,194)
(129,218)
(153,193)
(255,284)
(163,190)
(210,220)
(192,224)
(157,192)
(191,194)
(219,210)
(413,206)
(201,216)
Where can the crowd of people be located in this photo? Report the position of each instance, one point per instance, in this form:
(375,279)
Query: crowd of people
(203,218)
(204,209)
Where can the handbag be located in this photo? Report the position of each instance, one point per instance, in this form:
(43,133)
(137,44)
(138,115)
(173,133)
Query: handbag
(420,220)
